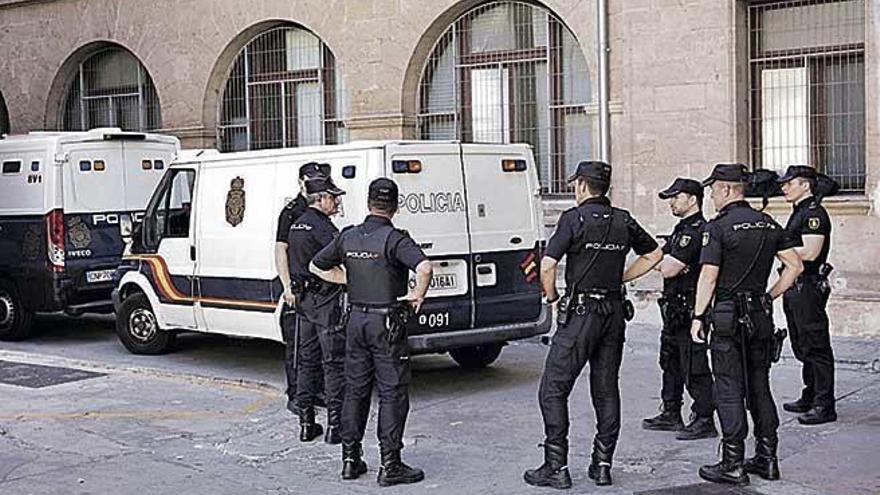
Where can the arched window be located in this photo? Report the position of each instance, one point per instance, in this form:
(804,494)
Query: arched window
(508,72)
(4,117)
(111,88)
(283,91)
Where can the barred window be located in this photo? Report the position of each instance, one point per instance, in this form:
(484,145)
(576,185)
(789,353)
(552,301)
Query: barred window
(807,97)
(111,88)
(283,91)
(511,72)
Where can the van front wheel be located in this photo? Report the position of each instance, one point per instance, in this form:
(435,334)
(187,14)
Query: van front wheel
(478,356)
(138,329)
(15,318)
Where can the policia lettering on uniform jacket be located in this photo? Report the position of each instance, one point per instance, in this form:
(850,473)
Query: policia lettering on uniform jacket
(682,361)
(805,302)
(595,239)
(377,258)
(318,312)
(739,247)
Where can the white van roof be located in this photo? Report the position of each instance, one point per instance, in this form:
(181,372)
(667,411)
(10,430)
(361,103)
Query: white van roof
(57,138)
(212,155)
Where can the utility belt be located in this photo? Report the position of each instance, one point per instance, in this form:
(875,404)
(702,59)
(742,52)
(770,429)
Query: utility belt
(748,315)
(818,279)
(396,318)
(676,307)
(599,301)
(304,284)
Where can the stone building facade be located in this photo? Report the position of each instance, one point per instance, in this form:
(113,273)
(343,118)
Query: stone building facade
(682,93)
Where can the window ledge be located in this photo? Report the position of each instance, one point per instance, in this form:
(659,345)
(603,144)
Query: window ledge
(852,205)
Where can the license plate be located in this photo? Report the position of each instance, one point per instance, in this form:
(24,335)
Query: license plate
(450,279)
(444,281)
(99,276)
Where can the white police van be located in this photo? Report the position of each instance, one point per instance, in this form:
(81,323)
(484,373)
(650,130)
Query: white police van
(67,199)
(203,260)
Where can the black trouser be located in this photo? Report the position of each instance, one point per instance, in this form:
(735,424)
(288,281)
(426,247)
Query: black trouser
(369,358)
(320,345)
(685,364)
(804,306)
(588,337)
(730,386)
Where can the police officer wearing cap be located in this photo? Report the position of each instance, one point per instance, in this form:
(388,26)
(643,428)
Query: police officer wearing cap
(288,215)
(377,259)
(682,361)
(738,250)
(318,309)
(595,238)
(805,302)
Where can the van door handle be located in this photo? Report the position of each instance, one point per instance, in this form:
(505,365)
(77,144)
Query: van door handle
(516,240)
(192,253)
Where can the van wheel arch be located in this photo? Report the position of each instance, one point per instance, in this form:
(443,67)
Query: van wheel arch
(478,356)
(138,328)
(15,316)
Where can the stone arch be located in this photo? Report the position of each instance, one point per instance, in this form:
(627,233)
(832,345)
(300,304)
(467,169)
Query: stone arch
(69,69)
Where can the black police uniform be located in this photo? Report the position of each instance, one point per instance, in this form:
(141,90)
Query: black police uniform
(595,239)
(321,341)
(804,305)
(684,362)
(289,213)
(377,258)
(743,243)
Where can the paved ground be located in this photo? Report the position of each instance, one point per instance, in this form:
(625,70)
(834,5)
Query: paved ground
(209,418)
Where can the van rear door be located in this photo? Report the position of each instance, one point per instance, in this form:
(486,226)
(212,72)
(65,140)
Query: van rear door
(505,232)
(433,208)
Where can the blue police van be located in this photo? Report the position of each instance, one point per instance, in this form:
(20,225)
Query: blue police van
(67,200)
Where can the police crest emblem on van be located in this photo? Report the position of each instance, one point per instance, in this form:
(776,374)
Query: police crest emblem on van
(79,234)
(235,203)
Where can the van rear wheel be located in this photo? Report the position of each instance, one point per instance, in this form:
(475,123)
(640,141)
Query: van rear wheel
(15,318)
(478,356)
(138,329)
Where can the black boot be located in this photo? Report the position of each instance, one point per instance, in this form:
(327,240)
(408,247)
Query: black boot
(765,463)
(818,415)
(730,468)
(333,435)
(799,406)
(308,429)
(353,464)
(600,467)
(698,428)
(394,472)
(554,472)
(669,418)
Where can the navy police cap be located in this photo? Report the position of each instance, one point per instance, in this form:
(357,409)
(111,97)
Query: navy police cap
(383,189)
(595,170)
(682,185)
(323,184)
(795,171)
(314,169)
(728,172)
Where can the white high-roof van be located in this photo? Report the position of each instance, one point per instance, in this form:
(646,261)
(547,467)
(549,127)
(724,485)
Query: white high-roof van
(204,259)
(67,199)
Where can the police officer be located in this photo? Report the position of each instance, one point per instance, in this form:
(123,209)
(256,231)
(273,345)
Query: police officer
(595,237)
(738,249)
(291,212)
(804,303)
(682,361)
(318,309)
(377,258)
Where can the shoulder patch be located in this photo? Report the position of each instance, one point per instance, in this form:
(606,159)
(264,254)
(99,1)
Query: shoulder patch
(813,223)
(684,241)
(706,238)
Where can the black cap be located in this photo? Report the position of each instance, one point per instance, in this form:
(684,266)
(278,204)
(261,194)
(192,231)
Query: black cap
(682,185)
(595,170)
(728,172)
(795,171)
(323,184)
(383,189)
(314,169)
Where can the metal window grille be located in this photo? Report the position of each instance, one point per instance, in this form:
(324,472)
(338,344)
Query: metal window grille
(111,88)
(807,87)
(511,72)
(283,91)
(4,117)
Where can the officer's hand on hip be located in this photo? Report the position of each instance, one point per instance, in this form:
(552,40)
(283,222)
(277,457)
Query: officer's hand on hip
(697,332)
(289,298)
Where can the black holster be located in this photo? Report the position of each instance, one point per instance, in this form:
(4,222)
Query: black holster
(395,323)
(778,341)
(563,308)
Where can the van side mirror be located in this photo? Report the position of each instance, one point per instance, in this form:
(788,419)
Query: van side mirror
(137,238)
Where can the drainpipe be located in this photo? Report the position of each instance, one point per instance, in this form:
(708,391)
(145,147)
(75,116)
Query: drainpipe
(604,113)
